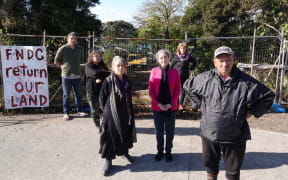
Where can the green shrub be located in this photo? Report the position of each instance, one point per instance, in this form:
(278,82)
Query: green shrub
(107,57)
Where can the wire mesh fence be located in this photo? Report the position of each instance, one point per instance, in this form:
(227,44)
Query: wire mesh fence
(258,56)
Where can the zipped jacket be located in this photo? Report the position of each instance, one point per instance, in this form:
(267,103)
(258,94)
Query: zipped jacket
(224,106)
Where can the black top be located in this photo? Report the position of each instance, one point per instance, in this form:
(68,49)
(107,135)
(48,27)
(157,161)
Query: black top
(184,66)
(93,72)
(164,96)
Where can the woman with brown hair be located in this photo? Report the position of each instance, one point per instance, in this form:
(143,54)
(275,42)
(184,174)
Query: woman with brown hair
(183,62)
(96,71)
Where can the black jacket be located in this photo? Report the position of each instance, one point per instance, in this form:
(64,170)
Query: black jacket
(93,72)
(118,126)
(224,105)
(183,67)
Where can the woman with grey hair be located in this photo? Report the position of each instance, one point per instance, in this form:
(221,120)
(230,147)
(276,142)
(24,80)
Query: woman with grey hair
(118,125)
(164,90)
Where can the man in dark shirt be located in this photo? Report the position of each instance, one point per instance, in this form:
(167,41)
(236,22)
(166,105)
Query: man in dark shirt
(227,97)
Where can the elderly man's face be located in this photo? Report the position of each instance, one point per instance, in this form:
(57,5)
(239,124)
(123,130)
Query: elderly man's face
(224,64)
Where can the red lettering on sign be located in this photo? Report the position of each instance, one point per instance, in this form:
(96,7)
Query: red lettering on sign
(35,72)
(43,100)
(24,67)
(31,87)
(37,85)
(23,100)
(43,71)
(31,72)
(33,100)
(7,71)
(17,88)
(19,54)
(37,55)
(8,53)
(12,102)
(30,54)
(16,71)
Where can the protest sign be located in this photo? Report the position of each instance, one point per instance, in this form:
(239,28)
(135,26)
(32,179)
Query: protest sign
(25,76)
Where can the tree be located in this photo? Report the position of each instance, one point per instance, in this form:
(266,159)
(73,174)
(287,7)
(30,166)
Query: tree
(234,17)
(14,10)
(119,29)
(152,28)
(219,17)
(57,17)
(272,16)
(162,11)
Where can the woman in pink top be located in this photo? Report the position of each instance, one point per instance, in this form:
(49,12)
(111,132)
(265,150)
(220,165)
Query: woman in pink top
(164,89)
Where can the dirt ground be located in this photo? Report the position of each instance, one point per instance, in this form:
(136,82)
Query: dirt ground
(276,122)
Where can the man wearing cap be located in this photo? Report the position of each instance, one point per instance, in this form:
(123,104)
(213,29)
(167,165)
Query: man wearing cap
(226,97)
(68,57)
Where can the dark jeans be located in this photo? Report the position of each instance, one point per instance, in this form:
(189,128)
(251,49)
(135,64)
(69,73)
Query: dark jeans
(164,119)
(93,101)
(67,85)
(233,157)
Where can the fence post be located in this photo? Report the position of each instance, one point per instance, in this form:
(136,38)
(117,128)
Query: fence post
(278,69)
(283,68)
(44,45)
(44,38)
(2,84)
(89,43)
(253,52)
(93,40)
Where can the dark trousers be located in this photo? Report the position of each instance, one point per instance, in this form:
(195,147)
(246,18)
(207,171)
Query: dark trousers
(182,94)
(164,120)
(233,157)
(67,85)
(93,101)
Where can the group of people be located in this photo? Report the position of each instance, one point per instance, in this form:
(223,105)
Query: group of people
(226,96)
